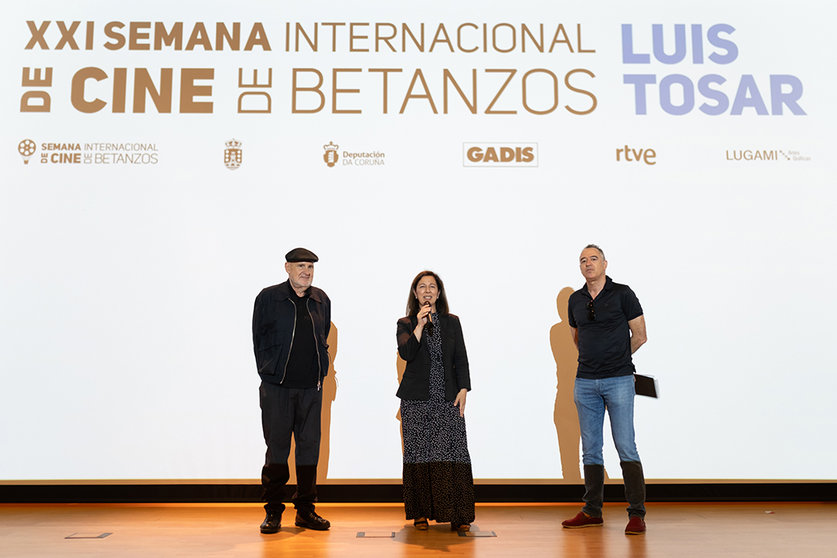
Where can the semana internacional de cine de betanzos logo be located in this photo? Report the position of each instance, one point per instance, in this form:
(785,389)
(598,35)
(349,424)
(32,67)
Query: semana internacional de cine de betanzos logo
(88,153)
(333,156)
(26,148)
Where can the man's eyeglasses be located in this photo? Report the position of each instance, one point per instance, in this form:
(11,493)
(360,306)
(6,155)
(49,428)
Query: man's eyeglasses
(591,312)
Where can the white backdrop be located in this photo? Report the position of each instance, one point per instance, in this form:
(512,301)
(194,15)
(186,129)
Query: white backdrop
(126,289)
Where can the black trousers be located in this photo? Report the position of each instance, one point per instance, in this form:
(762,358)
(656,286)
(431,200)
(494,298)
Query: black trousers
(286,412)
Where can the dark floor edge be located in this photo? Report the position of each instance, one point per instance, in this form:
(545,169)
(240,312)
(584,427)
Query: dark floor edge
(206,493)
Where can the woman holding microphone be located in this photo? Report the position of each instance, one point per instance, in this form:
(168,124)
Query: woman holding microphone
(438,482)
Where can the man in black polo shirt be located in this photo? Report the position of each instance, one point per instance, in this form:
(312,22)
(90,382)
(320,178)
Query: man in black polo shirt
(291,322)
(608,326)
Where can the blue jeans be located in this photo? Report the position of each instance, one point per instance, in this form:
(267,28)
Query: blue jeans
(592,398)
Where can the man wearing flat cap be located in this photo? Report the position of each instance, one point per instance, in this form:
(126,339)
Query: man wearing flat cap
(291,322)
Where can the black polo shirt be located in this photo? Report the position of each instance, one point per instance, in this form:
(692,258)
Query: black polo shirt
(604,342)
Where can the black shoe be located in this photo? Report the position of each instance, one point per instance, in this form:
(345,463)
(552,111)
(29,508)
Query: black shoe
(310,520)
(271,523)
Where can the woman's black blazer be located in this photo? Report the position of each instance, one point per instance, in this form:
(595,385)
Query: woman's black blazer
(415,385)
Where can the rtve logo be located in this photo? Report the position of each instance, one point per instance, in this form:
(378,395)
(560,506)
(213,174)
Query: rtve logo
(630,154)
(500,154)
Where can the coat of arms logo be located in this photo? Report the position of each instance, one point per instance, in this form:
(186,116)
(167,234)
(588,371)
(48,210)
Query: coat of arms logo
(232,154)
(330,156)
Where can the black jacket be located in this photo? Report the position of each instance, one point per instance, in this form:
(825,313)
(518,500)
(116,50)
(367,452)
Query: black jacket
(415,385)
(274,319)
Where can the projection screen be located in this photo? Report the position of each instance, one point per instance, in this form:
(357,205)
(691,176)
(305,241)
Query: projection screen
(160,159)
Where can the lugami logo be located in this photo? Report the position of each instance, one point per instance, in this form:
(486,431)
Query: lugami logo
(500,154)
(756,155)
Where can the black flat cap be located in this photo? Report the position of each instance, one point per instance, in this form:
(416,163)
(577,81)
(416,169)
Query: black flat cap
(301,255)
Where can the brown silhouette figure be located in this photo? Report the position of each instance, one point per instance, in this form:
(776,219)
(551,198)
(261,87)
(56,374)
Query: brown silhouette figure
(329,396)
(565,415)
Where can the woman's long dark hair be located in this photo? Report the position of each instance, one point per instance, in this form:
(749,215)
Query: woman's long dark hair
(441,303)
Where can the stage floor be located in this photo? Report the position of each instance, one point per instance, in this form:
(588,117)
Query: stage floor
(681,530)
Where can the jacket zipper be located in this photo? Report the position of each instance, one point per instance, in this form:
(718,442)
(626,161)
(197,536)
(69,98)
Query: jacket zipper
(316,347)
(293,333)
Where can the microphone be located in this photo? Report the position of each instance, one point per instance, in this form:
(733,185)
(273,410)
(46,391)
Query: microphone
(429,324)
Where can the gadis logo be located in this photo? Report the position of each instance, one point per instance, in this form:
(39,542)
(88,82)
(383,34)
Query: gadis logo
(500,154)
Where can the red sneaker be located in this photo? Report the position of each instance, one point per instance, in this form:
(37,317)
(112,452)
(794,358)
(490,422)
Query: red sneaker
(636,526)
(580,520)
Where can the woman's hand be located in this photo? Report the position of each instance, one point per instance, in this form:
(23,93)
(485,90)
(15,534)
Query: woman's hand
(423,318)
(423,315)
(460,401)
